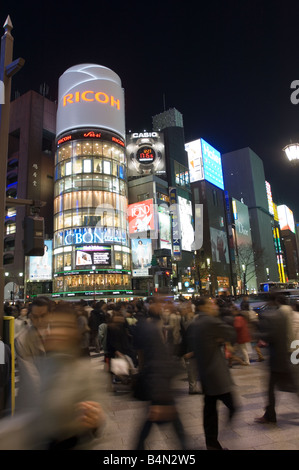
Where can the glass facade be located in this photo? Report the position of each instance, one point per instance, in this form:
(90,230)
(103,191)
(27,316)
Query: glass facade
(91,244)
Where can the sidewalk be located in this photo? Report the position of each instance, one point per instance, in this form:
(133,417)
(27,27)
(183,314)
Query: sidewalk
(126,416)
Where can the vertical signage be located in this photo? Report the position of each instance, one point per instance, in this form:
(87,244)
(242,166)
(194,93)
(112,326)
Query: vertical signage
(176,231)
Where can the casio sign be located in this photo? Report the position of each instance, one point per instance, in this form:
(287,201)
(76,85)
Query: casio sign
(136,135)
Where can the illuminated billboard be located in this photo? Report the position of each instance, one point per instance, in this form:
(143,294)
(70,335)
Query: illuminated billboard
(93,256)
(219,246)
(187,231)
(40,267)
(269,197)
(141,256)
(141,217)
(145,154)
(164,227)
(90,96)
(204,163)
(286,218)
(175,224)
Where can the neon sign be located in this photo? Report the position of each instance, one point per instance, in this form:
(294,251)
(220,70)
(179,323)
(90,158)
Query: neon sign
(93,235)
(90,95)
(91,134)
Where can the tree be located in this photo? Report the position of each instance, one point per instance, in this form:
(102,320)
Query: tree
(248,260)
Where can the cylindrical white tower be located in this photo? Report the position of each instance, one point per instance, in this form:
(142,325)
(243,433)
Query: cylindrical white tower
(91,242)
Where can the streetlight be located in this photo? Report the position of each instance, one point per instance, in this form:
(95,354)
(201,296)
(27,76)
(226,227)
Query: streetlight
(292,152)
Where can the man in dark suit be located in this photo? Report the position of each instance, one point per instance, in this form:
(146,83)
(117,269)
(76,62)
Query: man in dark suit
(207,336)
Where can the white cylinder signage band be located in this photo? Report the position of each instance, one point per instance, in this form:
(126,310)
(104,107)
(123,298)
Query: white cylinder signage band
(90,95)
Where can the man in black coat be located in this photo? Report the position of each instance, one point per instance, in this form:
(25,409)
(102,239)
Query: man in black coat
(208,333)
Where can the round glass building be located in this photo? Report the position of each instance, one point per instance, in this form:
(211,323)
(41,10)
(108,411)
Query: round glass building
(91,245)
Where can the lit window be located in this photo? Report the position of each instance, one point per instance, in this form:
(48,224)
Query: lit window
(107,167)
(87,166)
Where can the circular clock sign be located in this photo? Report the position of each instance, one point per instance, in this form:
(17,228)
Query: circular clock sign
(146,155)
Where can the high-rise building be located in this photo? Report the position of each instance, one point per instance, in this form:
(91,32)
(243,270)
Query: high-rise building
(92,254)
(244,179)
(30,177)
(213,258)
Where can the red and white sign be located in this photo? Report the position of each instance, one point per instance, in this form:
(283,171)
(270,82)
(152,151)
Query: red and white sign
(141,216)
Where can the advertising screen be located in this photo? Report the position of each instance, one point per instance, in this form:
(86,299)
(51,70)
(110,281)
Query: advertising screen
(286,218)
(204,163)
(219,246)
(175,224)
(145,154)
(90,96)
(269,197)
(193,150)
(40,267)
(93,255)
(187,231)
(212,164)
(141,217)
(242,223)
(141,256)
(164,228)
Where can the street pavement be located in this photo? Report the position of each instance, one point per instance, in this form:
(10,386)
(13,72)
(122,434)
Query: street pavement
(125,416)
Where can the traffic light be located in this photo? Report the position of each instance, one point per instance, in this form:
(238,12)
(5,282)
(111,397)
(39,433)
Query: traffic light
(34,236)
(167,273)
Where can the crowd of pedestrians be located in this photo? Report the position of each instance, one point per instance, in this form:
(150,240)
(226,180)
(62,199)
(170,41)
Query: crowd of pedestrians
(155,338)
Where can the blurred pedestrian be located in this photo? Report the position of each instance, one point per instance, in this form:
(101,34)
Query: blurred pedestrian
(190,362)
(96,317)
(82,319)
(275,330)
(5,378)
(157,369)
(209,333)
(68,413)
(29,350)
(243,335)
(22,320)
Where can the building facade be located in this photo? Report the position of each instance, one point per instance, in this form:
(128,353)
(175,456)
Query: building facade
(245,181)
(29,177)
(92,254)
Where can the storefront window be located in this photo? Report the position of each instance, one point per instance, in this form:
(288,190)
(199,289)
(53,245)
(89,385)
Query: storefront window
(77,149)
(68,184)
(87,148)
(97,148)
(58,262)
(106,167)
(68,168)
(87,181)
(77,165)
(67,220)
(77,183)
(107,150)
(97,165)
(67,259)
(86,166)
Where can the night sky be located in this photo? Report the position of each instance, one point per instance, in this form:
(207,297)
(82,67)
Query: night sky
(227,66)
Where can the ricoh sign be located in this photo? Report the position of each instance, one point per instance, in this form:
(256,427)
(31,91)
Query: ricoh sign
(90,95)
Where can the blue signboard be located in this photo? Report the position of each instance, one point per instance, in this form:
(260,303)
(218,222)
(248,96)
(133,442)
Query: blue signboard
(212,164)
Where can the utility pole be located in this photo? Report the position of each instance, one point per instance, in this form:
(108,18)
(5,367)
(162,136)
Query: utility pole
(8,68)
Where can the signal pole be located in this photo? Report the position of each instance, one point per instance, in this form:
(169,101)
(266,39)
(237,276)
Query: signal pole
(8,68)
